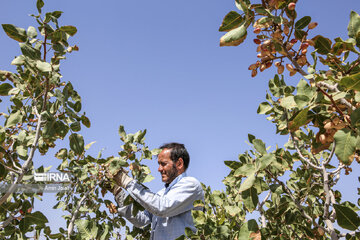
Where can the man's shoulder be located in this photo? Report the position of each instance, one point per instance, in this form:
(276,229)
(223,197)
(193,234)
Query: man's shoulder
(189,180)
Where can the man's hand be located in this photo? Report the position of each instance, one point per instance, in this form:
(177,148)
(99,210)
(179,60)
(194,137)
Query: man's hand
(121,178)
(119,195)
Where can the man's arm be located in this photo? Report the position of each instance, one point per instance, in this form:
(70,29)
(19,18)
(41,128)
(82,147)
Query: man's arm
(181,199)
(141,219)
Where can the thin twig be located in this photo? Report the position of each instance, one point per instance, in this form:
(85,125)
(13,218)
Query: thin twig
(298,205)
(75,214)
(330,156)
(298,149)
(8,220)
(312,80)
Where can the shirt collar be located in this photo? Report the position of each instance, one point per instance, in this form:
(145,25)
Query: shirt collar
(176,180)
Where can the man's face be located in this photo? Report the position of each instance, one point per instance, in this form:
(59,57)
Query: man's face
(167,167)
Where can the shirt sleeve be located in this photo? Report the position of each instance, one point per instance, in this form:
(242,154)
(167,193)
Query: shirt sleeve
(183,194)
(141,219)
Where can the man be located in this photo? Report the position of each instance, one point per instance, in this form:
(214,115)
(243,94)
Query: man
(169,210)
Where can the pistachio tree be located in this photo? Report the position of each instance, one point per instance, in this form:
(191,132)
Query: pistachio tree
(41,110)
(291,187)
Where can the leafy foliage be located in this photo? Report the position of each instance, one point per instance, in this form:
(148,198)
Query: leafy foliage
(291,187)
(43,110)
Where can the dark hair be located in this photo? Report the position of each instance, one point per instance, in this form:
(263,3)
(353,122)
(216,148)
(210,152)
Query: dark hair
(178,150)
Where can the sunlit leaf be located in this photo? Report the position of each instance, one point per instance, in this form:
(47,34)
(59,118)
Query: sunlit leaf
(248,183)
(232,20)
(13,119)
(234,37)
(299,120)
(351,82)
(322,45)
(71,30)
(345,145)
(354,25)
(16,33)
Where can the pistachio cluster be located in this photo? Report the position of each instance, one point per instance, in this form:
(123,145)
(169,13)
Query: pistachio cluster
(277,38)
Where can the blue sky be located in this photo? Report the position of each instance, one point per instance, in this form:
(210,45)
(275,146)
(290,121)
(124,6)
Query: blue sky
(157,65)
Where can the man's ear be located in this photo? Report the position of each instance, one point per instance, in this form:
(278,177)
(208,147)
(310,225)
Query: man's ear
(180,164)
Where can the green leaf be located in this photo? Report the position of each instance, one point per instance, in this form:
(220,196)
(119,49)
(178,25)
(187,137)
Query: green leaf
(351,82)
(39,5)
(29,51)
(38,218)
(247,228)
(322,45)
(288,102)
(77,143)
(13,119)
(4,89)
(303,88)
(264,161)
(232,20)
(233,165)
(22,151)
(85,229)
(31,32)
(299,120)
(290,217)
(300,34)
(250,199)
(148,178)
(199,217)
(242,5)
(354,25)
(346,217)
(75,126)
(248,183)
(85,121)
(303,22)
(43,66)
(71,30)
(259,146)
(355,118)
(345,145)
(77,106)
(234,37)
(301,100)
(264,108)
(232,210)
(61,154)
(245,170)
(122,132)
(19,60)
(18,34)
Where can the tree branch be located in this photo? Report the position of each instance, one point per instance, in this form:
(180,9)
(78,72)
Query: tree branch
(76,213)
(298,149)
(298,205)
(261,210)
(26,165)
(328,222)
(8,220)
(330,156)
(317,84)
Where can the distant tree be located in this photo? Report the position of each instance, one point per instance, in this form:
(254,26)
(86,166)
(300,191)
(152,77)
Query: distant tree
(292,187)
